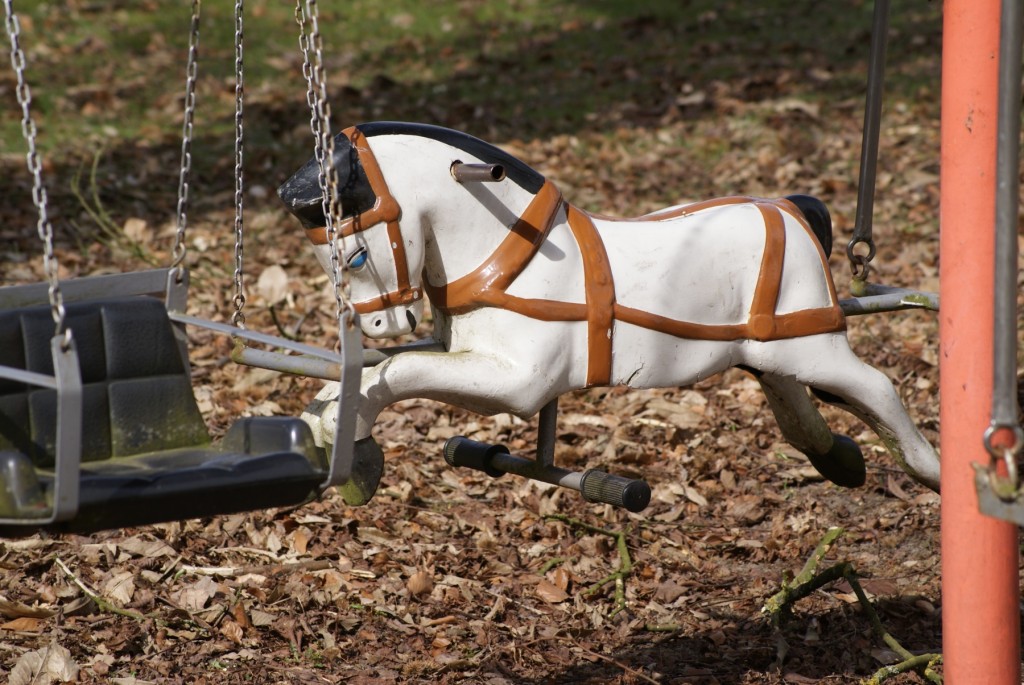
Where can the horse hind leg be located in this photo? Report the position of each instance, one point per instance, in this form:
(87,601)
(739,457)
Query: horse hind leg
(901,438)
(836,457)
(839,377)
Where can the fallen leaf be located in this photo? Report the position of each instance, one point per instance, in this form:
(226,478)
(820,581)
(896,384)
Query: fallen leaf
(137,230)
(300,538)
(272,284)
(419,583)
(438,646)
(194,597)
(10,609)
(669,591)
(120,588)
(238,613)
(694,496)
(25,624)
(232,631)
(52,664)
(149,549)
(560,578)
(261,618)
(551,593)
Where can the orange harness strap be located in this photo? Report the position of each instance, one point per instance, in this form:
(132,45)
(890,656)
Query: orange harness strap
(487,285)
(600,294)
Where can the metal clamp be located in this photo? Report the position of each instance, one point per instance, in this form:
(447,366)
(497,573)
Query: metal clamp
(1004,487)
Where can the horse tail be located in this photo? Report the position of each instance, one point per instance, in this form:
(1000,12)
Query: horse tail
(816,213)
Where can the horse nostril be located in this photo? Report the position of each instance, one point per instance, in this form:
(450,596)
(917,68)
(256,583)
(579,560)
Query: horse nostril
(377,323)
(411,319)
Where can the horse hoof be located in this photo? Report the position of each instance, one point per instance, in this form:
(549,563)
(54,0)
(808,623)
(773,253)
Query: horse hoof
(843,464)
(367,468)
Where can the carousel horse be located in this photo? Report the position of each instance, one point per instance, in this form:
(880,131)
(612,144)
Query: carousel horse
(533,297)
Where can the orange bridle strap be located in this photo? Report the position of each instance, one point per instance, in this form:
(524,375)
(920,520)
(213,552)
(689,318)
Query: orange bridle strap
(385,210)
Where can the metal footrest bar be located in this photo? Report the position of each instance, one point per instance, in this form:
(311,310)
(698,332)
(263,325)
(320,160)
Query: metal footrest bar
(595,486)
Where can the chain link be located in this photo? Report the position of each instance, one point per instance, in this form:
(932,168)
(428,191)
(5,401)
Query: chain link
(35,167)
(324,152)
(186,138)
(307,73)
(860,264)
(238,318)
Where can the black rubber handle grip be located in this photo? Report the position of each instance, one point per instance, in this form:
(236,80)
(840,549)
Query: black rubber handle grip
(632,495)
(461,451)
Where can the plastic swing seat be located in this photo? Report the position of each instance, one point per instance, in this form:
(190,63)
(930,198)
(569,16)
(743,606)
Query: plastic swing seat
(124,425)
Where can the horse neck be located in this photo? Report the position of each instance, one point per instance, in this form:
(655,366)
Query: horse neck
(461,224)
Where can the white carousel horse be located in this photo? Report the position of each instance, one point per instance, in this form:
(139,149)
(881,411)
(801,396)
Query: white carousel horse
(533,298)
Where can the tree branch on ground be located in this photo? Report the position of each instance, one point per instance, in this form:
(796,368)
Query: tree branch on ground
(779,609)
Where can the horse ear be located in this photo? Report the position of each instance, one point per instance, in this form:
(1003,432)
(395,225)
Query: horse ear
(816,213)
(302,196)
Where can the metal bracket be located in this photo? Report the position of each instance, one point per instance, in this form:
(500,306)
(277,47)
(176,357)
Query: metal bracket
(881,298)
(990,503)
(67,381)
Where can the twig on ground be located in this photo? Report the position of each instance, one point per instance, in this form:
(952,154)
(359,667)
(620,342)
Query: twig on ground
(257,569)
(285,333)
(551,563)
(625,560)
(779,608)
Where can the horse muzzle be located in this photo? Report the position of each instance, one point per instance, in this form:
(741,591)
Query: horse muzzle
(393,321)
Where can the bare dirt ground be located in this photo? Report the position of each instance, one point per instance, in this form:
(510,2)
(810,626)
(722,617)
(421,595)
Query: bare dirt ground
(450,576)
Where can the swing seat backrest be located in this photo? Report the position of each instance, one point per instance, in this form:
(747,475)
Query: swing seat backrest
(137,393)
(146,453)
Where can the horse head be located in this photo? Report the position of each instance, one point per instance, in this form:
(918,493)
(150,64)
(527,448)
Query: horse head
(383,266)
(419,224)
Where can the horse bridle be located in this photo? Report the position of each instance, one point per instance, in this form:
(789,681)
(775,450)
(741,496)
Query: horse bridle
(385,210)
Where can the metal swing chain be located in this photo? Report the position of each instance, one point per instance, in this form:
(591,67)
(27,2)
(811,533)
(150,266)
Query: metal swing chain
(39,197)
(238,318)
(323,146)
(324,152)
(307,73)
(859,264)
(179,249)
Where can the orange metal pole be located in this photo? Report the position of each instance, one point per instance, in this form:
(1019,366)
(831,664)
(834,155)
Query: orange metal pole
(980,588)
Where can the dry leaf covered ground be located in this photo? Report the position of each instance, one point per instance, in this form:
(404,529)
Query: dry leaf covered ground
(450,576)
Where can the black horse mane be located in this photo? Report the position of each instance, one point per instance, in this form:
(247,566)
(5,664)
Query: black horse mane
(515,169)
(302,196)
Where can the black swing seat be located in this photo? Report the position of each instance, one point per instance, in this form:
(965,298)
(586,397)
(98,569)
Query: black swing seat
(146,454)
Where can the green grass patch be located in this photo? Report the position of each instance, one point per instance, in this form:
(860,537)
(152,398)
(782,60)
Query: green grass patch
(100,73)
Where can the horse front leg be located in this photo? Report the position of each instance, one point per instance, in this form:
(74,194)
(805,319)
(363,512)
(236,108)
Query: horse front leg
(481,383)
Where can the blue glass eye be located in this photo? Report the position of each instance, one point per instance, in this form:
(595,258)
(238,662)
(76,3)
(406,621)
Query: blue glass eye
(358,259)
